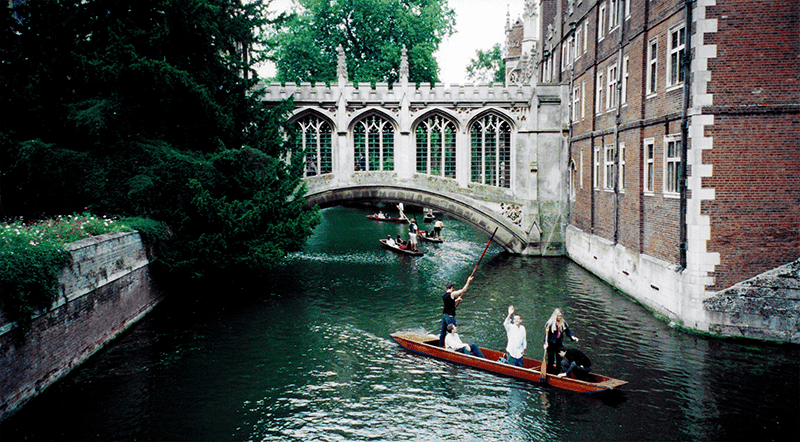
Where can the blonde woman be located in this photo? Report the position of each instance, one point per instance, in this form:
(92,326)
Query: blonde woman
(554,330)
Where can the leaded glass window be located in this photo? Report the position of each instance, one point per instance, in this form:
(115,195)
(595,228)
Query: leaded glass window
(373,143)
(436,147)
(490,151)
(314,138)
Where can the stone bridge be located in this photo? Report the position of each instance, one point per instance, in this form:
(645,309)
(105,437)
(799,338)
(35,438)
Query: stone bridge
(491,156)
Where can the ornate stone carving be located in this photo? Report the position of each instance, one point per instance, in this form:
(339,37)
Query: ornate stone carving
(341,65)
(513,212)
(404,64)
(530,8)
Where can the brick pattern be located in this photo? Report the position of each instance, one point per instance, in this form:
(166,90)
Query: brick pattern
(78,325)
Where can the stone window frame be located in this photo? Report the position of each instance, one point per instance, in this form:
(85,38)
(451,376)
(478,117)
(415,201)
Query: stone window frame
(499,174)
(432,123)
(321,161)
(380,154)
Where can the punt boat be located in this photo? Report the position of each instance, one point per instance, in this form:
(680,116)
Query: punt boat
(388,219)
(428,345)
(399,250)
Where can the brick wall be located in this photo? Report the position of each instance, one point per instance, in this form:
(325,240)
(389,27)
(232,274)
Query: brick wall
(105,290)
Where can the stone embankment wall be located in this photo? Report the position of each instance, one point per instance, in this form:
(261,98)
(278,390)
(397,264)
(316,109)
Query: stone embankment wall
(764,307)
(105,290)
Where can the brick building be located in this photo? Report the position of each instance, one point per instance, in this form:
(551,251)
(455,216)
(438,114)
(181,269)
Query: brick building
(660,90)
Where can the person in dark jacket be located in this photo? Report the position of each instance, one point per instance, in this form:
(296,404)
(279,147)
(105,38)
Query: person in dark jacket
(574,361)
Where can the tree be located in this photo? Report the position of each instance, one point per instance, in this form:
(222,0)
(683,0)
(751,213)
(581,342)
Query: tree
(372,34)
(488,66)
(147,108)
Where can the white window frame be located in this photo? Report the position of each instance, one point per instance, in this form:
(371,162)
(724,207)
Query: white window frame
(652,67)
(599,98)
(621,167)
(583,100)
(611,92)
(675,58)
(596,167)
(649,155)
(627,9)
(608,177)
(576,99)
(580,166)
(578,40)
(672,165)
(601,22)
(624,92)
(585,36)
(613,15)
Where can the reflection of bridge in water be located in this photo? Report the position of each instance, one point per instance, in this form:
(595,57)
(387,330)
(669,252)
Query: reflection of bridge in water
(491,156)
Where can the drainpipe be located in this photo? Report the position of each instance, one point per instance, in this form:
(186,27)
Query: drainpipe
(621,22)
(573,48)
(687,69)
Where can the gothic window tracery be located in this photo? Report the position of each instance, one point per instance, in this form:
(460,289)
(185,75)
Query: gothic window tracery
(314,138)
(373,144)
(490,151)
(436,147)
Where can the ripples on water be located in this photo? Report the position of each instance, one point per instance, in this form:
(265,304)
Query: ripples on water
(306,355)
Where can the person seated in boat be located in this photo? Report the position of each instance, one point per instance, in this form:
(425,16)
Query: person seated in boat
(574,361)
(517,337)
(390,241)
(453,342)
(381,215)
(400,243)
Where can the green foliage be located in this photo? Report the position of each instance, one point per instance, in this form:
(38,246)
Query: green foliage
(146,109)
(488,66)
(372,34)
(32,256)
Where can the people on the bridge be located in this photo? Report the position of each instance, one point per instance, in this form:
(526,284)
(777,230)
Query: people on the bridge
(412,235)
(453,342)
(517,337)
(437,228)
(554,331)
(401,209)
(450,298)
(574,361)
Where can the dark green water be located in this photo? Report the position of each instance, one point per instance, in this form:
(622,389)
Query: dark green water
(307,356)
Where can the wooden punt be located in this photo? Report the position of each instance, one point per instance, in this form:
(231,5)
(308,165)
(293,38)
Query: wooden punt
(424,237)
(428,345)
(388,219)
(399,250)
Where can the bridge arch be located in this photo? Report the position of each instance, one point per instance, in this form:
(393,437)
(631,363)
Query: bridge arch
(509,236)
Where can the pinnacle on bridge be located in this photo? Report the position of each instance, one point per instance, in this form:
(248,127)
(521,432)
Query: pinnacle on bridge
(341,66)
(404,66)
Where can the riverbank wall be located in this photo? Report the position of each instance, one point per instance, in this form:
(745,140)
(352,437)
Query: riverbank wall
(105,290)
(766,307)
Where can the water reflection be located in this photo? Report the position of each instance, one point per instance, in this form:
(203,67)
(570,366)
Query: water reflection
(305,355)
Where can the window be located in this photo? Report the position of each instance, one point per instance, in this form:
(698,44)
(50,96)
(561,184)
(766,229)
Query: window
(578,41)
(599,98)
(436,147)
(649,165)
(624,91)
(621,166)
(652,67)
(573,180)
(627,8)
(373,144)
(585,36)
(583,99)
(611,92)
(613,14)
(677,47)
(609,163)
(314,139)
(596,167)
(601,21)
(576,99)
(490,150)
(672,159)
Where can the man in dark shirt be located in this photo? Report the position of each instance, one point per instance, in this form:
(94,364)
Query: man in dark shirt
(574,361)
(450,299)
